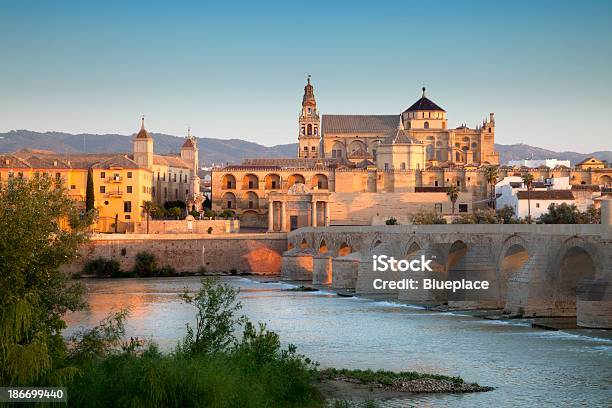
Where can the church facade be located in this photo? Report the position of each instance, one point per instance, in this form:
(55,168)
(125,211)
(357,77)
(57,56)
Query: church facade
(421,130)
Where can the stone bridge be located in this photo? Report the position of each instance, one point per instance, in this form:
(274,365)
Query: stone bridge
(533,270)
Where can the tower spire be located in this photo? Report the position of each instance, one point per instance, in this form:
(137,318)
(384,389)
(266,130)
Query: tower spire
(142,123)
(423,91)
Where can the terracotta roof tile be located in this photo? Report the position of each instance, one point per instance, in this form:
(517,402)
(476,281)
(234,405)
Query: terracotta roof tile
(546,195)
(359,123)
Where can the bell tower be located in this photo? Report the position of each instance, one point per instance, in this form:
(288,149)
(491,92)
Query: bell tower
(310,125)
(143,147)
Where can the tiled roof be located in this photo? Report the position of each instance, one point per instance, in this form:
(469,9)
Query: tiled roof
(546,195)
(171,161)
(359,123)
(593,160)
(401,137)
(424,104)
(120,160)
(585,187)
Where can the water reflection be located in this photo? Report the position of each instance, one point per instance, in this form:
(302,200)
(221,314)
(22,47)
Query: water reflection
(529,366)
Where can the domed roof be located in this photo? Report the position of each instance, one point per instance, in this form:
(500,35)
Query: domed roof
(424,104)
(142,133)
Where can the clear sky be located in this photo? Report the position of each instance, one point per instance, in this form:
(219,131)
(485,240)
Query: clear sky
(232,69)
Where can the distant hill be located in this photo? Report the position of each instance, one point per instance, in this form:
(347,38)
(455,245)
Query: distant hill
(218,151)
(221,151)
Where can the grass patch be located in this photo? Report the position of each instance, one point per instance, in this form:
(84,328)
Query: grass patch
(382,376)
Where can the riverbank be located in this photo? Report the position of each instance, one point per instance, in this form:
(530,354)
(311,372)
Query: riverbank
(354,332)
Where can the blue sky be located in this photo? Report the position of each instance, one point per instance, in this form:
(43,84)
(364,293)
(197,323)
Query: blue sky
(237,69)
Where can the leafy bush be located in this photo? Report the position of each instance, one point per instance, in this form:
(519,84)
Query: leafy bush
(423,218)
(391,221)
(166,271)
(146,265)
(103,267)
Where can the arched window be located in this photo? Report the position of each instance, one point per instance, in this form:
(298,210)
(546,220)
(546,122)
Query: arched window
(426,125)
(443,125)
(309,129)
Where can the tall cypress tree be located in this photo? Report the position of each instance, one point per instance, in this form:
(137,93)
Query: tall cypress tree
(89,193)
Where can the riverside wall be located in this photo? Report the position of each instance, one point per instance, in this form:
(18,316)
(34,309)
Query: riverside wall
(244,253)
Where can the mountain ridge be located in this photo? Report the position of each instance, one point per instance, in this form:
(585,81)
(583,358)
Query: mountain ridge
(222,151)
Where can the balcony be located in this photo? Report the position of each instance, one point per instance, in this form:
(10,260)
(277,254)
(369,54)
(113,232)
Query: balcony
(115,179)
(114,193)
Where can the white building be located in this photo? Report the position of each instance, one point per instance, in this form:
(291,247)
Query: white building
(512,192)
(551,163)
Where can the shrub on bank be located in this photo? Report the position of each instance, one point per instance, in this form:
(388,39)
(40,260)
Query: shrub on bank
(212,367)
(145,264)
(102,267)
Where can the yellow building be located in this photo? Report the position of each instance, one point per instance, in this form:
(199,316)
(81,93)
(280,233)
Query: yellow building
(591,163)
(122,182)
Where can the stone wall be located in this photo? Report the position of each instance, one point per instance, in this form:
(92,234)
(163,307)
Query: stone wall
(253,253)
(187,227)
(365,208)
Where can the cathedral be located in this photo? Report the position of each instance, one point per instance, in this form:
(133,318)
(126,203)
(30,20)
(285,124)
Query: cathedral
(364,169)
(417,138)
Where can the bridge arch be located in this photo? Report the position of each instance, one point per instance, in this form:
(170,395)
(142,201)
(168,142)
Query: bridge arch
(457,251)
(344,249)
(322,246)
(411,249)
(577,259)
(304,244)
(513,256)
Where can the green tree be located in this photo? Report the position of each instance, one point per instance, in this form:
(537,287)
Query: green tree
(491,174)
(216,319)
(40,229)
(506,214)
(145,264)
(148,207)
(89,192)
(453,194)
(528,181)
(175,212)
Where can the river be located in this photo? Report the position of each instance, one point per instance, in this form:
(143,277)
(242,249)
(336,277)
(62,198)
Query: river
(528,367)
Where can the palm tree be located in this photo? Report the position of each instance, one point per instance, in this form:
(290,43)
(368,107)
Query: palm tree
(528,181)
(453,195)
(149,208)
(491,173)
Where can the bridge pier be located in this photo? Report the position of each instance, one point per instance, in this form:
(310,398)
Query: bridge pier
(297,264)
(478,264)
(345,270)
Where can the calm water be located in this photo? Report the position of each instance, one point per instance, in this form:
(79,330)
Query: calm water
(529,367)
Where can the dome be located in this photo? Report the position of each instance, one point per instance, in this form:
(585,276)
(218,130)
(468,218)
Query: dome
(424,104)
